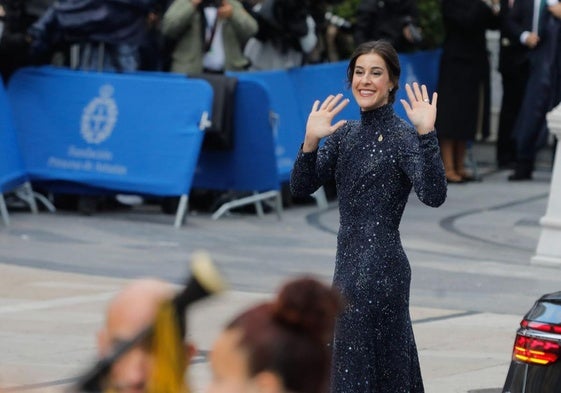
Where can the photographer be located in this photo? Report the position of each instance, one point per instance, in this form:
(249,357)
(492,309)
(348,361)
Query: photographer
(107,34)
(395,21)
(208,35)
(13,45)
(287,34)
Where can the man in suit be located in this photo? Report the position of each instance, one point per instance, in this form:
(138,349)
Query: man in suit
(535,23)
(514,68)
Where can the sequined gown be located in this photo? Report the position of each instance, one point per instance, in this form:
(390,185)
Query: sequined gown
(375,163)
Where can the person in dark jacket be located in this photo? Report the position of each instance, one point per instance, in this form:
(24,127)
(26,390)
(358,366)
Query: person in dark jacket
(514,70)
(36,8)
(15,18)
(286,35)
(109,33)
(540,32)
(395,21)
(464,80)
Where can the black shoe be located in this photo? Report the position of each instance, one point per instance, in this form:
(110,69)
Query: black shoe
(517,176)
(522,171)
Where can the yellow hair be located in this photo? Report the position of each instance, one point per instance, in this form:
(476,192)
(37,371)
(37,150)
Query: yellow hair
(169,358)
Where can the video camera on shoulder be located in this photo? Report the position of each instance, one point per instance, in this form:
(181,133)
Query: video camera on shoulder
(211,3)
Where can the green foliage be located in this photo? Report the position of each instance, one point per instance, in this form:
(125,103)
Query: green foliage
(430,21)
(347,9)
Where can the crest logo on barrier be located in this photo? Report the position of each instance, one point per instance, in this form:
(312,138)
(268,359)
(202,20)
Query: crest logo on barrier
(99,116)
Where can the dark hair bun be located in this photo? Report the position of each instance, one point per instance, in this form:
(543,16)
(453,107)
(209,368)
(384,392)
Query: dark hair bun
(308,305)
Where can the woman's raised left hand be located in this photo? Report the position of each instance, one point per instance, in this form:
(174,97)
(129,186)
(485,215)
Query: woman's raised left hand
(420,109)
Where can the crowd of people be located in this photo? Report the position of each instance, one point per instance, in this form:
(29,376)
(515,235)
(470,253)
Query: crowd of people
(528,64)
(191,36)
(214,36)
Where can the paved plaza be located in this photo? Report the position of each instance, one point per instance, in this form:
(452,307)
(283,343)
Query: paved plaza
(472,277)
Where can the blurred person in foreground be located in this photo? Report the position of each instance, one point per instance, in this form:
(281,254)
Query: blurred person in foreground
(280,346)
(139,305)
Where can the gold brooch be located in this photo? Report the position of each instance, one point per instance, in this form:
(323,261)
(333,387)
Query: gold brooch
(380,138)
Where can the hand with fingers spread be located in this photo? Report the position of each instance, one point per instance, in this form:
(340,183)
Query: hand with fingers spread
(420,109)
(320,119)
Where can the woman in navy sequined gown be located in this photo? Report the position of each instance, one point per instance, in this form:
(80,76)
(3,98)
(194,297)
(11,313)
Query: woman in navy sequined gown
(375,163)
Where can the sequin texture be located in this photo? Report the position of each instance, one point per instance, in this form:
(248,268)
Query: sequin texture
(374,348)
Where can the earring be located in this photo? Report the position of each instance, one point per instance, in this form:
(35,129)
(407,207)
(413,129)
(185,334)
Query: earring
(391,88)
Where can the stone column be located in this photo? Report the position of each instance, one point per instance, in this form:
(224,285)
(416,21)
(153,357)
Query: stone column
(549,246)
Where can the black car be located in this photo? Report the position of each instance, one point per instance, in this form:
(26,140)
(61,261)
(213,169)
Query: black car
(536,356)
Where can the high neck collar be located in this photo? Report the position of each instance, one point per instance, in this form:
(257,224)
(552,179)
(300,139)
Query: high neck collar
(381,113)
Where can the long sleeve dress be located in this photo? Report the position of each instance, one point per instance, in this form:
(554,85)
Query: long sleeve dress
(375,162)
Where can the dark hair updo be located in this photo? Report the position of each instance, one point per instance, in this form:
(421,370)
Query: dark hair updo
(387,52)
(290,335)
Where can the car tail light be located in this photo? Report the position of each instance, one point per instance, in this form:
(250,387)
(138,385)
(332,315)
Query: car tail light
(541,326)
(537,350)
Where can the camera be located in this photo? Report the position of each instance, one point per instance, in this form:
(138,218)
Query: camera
(338,21)
(416,34)
(211,3)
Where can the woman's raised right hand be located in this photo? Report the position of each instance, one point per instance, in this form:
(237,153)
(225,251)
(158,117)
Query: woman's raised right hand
(320,119)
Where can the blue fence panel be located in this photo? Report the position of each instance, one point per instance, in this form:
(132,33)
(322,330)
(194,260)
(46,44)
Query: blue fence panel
(316,82)
(12,170)
(251,164)
(121,132)
(289,125)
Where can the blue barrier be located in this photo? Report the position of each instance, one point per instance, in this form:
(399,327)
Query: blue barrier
(139,133)
(287,128)
(12,170)
(118,132)
(251,165)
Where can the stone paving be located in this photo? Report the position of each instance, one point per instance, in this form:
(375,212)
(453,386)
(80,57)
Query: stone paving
(472,278)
